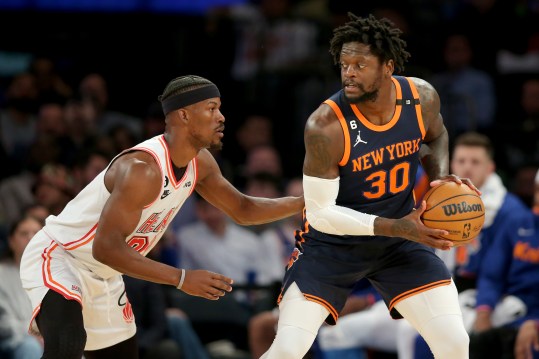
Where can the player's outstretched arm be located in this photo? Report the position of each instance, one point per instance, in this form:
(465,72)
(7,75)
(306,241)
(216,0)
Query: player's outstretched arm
(243,209)
(134,181)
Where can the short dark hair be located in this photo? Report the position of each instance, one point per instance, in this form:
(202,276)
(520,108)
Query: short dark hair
(475,139)
(184,84)
(380,34)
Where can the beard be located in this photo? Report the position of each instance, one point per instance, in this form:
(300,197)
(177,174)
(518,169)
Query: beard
(365,97)
(368,93)
(216,146)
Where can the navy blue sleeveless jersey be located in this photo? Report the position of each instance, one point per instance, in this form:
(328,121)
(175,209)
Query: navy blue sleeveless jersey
(377,176)
(379,165)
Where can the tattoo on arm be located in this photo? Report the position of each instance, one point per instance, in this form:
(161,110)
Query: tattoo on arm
(319,156)
(404,229)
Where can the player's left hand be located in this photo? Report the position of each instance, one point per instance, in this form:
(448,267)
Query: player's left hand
(456,179)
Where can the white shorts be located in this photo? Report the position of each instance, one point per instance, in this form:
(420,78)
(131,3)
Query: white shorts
(107,313)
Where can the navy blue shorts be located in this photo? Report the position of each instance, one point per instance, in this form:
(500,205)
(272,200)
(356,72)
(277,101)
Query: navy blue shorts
(326,273)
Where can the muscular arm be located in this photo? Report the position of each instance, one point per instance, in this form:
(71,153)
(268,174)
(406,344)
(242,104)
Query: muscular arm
(243,209)
(434,152)
(134,182)
(324,144)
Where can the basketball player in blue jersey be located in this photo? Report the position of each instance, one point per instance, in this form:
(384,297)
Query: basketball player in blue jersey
(363,148)
(72,269)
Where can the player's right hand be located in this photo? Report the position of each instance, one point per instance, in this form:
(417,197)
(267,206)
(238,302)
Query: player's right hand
(206,284)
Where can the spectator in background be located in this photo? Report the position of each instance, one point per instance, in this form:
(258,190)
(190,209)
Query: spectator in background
(281,65)
(38,212)
(473,158)
(278,240)
(524,148)
(88,164)
(18,121)
(235,251)
(265,184)
(508,287)
(527,341)
(54,188)
(216,243)
(82,130)
(15,307)
(467,93)
(50,120)
(93,88)
(523,182)
(256,130)
(51,86)
(262,159)
(153,124)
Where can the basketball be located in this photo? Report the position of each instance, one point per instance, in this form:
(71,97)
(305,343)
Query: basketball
(455,208)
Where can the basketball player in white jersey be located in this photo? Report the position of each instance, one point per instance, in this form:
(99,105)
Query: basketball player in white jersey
(72,268)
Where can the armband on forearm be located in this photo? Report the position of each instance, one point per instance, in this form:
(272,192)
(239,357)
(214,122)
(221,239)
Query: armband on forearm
(325,216)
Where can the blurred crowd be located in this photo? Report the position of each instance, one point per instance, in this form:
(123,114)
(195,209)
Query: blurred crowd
(63,118)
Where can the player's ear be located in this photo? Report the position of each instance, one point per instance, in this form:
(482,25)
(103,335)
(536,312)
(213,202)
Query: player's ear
(389,67)
(182,115)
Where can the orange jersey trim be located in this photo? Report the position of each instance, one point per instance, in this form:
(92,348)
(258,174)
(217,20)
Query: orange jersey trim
(417,108)
(418,290)
(195,174)
(176,183)
(394,119)
(86,238)
(305,228)
(323,303)
(318,300)
(342,121)
(49,281)
(34,315)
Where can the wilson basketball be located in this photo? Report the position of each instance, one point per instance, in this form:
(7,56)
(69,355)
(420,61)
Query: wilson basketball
(455,208)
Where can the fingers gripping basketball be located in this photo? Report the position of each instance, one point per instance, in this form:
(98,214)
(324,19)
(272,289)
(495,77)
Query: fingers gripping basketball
(455,208)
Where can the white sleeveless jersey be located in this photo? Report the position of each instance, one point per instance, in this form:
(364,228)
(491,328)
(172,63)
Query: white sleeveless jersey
(75,227)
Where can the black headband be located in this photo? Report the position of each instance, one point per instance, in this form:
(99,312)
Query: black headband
(188,98)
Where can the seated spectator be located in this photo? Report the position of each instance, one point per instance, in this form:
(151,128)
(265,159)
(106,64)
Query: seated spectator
(54,188)
(18,121)
(467,93)
(472,157)
(216,243)
(15,307)
(278,240)
(525,121)
(510,271)
(94,88)
(88,164)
